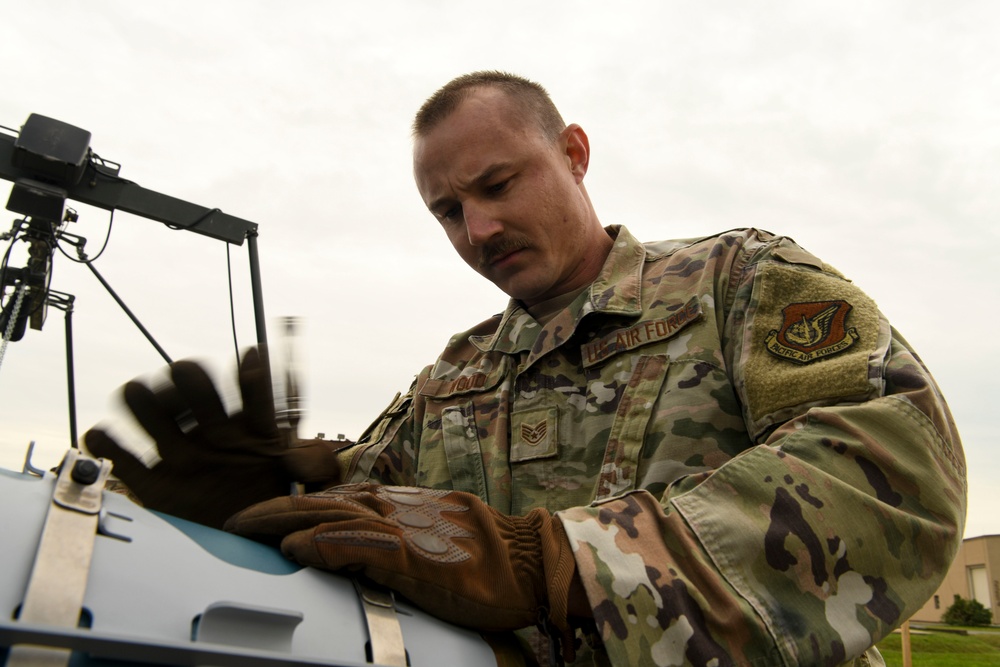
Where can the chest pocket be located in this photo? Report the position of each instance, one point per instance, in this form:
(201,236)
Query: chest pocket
(460,437)
(466,406)
(621,458)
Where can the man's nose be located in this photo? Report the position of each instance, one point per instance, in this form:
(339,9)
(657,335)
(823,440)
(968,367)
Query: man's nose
(481,225)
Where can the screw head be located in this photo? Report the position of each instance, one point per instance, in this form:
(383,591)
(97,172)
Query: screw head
(85,472)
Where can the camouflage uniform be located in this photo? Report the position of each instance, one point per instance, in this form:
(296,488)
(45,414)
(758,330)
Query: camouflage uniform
(752,467)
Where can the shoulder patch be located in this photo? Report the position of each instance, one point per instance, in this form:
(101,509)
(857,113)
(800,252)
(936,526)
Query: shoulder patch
(812,331)
(810,338)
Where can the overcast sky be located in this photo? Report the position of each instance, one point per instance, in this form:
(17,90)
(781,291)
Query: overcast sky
(867,131)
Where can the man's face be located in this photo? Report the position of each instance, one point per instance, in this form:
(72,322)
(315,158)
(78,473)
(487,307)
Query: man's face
(511,201)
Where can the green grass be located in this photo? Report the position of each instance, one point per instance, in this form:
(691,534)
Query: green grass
(980,648)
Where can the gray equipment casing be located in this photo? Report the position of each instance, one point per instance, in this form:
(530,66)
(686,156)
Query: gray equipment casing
(180,593)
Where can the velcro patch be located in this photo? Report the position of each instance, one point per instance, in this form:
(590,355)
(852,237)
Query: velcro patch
(810,339)
(812,331)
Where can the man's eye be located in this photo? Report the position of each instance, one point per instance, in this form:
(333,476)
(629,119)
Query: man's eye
(497,188)
(452,213)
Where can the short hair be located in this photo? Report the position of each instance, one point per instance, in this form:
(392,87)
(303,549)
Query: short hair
(532,98)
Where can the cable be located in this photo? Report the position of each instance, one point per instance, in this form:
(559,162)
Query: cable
(84,260)
(57,239)
(232,306)
(97,169)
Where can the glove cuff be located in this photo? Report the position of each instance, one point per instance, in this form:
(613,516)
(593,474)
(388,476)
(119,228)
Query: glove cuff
(560,569)
(314,463)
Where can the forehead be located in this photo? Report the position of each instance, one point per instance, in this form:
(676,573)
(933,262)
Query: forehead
(486,104)
(486,121)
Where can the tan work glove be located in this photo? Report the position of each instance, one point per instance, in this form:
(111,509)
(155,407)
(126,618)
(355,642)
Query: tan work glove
(447,551)
(212,464)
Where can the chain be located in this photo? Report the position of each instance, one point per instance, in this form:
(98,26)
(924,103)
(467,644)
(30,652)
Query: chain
(12,322)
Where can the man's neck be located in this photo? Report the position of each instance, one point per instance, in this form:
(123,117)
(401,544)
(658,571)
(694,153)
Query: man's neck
(544,311)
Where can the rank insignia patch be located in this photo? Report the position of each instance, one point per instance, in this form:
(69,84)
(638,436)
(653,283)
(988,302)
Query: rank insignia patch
(812,331)
(533,435)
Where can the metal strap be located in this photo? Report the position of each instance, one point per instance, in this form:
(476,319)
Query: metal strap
(58,578)
(384,632)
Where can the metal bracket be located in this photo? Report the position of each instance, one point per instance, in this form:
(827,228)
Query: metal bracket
(58,579)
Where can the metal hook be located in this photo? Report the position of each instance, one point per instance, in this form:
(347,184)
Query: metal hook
(28,468)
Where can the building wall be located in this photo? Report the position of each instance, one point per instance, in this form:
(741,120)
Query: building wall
(975,552)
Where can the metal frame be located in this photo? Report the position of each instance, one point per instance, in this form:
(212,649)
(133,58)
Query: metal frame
(103,188)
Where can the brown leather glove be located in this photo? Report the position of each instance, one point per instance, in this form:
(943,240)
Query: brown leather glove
(212,464)
(447,551)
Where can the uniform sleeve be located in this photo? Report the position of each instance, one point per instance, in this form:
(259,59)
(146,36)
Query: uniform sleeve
(835,524)
(385,453)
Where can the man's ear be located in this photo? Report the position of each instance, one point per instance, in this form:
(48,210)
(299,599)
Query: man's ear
(577,148)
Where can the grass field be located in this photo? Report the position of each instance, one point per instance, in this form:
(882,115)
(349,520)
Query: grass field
(979,648)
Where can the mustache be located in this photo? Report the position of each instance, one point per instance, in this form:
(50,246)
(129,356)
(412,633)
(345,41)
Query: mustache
(499,248)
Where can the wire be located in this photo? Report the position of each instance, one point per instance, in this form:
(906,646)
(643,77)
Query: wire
(97,169)
(104,246)
(232,306)
(19,234)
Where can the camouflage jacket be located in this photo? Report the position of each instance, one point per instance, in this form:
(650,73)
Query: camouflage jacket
(752,467)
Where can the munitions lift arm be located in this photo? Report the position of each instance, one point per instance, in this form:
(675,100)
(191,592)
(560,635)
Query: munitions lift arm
(51,161)
(102,187)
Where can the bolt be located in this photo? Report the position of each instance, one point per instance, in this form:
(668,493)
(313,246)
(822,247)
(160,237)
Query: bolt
(85,472)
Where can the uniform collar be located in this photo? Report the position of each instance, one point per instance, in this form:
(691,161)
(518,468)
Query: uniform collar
(617,290)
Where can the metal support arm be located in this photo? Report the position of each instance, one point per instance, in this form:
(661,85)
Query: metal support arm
(105,189)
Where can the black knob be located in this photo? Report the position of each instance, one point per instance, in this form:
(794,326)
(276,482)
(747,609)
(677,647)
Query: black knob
(85,472)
